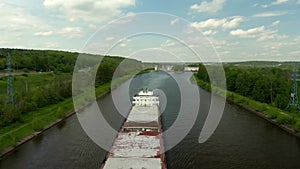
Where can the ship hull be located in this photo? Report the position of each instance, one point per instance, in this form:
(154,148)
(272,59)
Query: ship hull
(139,143)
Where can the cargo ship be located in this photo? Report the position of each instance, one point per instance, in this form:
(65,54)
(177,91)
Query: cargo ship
(139,143)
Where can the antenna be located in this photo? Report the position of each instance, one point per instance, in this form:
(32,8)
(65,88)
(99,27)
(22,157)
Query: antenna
(294,94)
(10,87)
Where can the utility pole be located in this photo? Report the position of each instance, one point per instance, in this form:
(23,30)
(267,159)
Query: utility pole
(294,94)
(10,87)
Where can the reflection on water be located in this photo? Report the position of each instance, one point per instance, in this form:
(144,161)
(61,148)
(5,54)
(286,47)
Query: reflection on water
(61,124)
(38,140)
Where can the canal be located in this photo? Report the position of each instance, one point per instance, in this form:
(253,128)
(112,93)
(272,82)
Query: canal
(242,140)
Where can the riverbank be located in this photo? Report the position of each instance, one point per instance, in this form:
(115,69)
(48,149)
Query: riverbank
(36,122)
(274,115)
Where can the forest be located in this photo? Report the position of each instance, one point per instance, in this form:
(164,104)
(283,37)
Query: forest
(46,78)
(38,60)
(271,85)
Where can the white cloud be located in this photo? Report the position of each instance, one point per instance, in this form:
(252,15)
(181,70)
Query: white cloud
(15,19)
(18,27)
(123,45)
(3,42)
(278,2)
(93,26)
(264,5)
(109,38)
(52,3)
(168,43)
(260,33)
(253,32)
(125,20)
(225,23)
(224,53)
(175,21)
(270,14)
(71,32)
(297,52)
(209,7)
(219,42)
(125,40)
(89,10)
(209,32)
(51,45)
(267,35)
(271,35)
(275,23)
(122,42)
(48,33)
(232,22)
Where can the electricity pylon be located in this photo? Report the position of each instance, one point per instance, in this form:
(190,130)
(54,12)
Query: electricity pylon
(294,94)
(10,87)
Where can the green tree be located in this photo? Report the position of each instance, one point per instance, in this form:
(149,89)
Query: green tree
(202,73)
(261,90)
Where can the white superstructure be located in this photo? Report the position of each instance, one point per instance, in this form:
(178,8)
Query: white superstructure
(145,98)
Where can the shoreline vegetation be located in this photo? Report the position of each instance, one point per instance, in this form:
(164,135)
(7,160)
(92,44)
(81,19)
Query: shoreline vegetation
(42,84)
(272,114)
(37,122)
(44,119)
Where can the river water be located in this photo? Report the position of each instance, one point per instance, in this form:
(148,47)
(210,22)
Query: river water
(242,140)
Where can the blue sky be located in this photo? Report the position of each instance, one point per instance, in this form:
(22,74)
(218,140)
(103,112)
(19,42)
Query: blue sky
(237,30)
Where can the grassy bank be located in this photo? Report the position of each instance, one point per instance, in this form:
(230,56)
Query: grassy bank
(36,121)
(280,117)
(31,81)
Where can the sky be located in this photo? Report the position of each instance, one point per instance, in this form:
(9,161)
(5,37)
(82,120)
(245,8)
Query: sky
(226,30)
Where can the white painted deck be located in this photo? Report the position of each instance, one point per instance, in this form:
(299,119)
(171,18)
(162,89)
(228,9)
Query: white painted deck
(143,114)
(133,163)
(133,144)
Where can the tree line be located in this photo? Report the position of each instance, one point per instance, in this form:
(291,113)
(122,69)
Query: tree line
(39,60)
(61,87)
(271,85)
